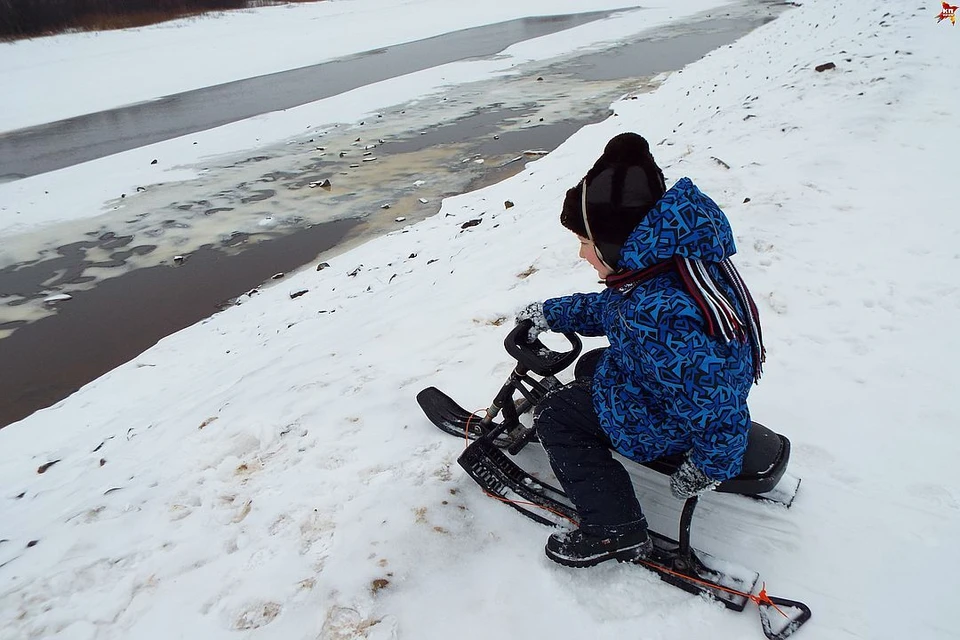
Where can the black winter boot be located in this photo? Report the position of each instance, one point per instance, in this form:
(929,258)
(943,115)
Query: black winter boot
(578,549)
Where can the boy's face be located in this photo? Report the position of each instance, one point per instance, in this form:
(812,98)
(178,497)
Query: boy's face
(589,253)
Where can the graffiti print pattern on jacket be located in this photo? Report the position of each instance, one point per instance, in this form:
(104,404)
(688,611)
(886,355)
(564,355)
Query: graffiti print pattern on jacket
(664,386)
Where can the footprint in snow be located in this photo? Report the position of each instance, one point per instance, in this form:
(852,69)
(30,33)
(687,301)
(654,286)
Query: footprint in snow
(282,524)
(316,535)
(257,615)
(818,458)
(935,494)
(347,623)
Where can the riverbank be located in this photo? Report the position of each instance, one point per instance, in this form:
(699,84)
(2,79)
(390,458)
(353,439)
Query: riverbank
(55,145)
(54,78)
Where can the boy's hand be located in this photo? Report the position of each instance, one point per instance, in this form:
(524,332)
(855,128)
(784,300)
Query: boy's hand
(534,313)
(689,481)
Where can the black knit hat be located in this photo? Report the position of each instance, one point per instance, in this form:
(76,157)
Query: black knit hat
(623,185)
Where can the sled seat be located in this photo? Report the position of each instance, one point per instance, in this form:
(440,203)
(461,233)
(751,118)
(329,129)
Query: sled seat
(763,464)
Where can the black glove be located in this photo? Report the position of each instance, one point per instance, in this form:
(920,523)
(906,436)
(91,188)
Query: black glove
(534,313)
(688,481)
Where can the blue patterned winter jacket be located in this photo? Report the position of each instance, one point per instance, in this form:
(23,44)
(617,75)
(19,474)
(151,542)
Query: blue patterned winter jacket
(665,386)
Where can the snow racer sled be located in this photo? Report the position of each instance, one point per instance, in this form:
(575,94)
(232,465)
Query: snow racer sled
(677,562)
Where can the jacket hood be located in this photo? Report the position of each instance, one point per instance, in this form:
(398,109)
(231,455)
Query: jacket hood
(685,222)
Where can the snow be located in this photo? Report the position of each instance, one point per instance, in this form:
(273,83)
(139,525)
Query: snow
(268,470)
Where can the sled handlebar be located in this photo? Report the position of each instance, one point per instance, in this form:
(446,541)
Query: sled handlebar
(536,356)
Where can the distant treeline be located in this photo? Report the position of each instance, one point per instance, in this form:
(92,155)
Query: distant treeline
(24,18)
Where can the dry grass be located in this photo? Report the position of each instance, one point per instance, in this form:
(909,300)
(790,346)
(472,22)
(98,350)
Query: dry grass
(121,19)
(110,21)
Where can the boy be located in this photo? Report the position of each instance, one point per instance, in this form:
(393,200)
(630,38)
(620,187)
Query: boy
(685,348)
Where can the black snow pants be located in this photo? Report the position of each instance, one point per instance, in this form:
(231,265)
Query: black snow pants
(580,453)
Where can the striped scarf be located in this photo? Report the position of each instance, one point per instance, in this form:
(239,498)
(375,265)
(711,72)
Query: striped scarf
(721,316)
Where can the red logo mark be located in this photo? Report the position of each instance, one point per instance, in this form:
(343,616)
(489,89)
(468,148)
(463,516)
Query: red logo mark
(949,13)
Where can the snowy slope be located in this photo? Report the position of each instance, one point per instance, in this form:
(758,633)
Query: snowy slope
(257,474)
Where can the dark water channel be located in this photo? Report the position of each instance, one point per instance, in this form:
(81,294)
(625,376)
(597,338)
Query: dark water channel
(44,361)
(48,147)
(47,360)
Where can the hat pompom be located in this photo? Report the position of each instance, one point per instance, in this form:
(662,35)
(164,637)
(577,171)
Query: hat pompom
(622,186)
(627,148)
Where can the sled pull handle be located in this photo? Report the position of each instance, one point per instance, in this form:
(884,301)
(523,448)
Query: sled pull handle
(781,617)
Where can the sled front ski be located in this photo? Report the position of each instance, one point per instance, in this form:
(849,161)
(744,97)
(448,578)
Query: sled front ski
(451,418)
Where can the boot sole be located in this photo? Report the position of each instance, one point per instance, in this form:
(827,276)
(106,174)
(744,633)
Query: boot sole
(631,554)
